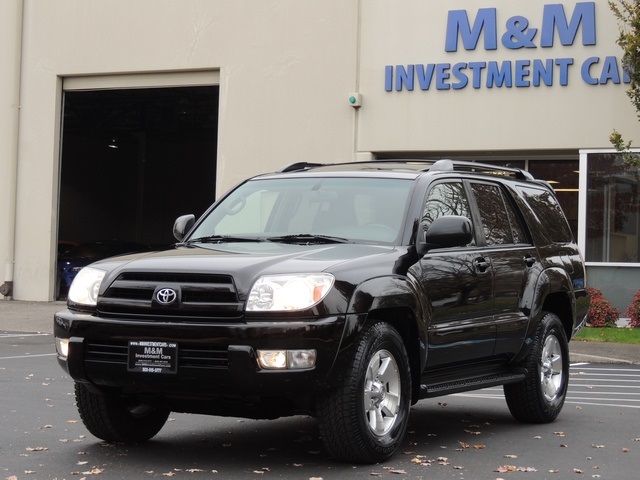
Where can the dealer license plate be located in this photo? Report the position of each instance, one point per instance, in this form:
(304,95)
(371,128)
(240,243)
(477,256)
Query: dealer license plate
(153,357)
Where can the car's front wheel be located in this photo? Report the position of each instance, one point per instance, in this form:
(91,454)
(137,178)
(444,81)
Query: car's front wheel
(539,398)
(365,418)
(115,418)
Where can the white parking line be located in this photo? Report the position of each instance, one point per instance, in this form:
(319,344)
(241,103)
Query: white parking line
(20,335)
(30,356)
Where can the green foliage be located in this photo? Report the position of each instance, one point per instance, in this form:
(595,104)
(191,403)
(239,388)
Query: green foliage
(601,312)
(633,310)
(627,12)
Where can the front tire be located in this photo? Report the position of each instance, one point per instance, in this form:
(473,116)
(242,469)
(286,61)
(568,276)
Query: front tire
(114,418)
(364,420)
(539,398)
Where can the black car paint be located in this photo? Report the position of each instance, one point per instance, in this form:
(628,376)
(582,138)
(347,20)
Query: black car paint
(446,343)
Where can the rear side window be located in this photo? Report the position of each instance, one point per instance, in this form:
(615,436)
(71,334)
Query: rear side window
(499,220)
(548,212)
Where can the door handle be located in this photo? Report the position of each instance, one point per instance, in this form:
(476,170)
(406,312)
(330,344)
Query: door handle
(529,260)
(481,264)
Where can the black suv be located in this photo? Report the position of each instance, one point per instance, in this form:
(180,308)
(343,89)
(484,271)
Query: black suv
(347,292)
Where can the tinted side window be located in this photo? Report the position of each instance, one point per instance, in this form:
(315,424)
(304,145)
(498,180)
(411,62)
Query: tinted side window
(499,221)
(548,212)
(445,199)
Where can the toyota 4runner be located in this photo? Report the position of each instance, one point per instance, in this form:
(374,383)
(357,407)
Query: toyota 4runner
(347,292)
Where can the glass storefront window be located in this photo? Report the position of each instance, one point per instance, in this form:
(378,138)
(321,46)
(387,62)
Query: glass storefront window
(613,206)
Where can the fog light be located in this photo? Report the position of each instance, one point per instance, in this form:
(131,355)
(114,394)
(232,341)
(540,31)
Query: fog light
(62,346)
(286,359)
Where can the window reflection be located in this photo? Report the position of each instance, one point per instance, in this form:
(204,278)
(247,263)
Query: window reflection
(612,209)
(445,199)
(499,221)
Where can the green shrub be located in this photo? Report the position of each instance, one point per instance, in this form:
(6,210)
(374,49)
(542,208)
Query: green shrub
(601,312)
(633,310)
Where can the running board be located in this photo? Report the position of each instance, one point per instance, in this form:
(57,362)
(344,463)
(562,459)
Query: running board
(474,383)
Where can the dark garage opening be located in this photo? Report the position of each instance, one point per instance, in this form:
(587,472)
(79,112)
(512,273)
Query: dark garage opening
(133,160)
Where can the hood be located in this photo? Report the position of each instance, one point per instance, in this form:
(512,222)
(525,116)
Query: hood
(245,262)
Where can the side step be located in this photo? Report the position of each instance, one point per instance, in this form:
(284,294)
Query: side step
(473,383)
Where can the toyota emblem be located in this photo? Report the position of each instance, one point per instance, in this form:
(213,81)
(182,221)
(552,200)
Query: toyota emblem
(166,296)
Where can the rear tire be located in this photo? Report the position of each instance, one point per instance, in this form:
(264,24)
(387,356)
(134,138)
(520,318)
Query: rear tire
(115,418)
(539,398)
(364,420)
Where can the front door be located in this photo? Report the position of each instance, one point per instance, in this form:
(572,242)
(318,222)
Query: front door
(459,285)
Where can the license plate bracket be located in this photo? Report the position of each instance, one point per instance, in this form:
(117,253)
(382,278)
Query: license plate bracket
(147,356)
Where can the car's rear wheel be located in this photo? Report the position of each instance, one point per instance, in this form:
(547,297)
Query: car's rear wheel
(115,418)
(539,398)
(365,418)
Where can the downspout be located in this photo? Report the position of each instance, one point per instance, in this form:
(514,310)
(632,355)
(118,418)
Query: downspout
(6,289)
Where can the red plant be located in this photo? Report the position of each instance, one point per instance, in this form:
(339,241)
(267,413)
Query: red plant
(601,312)
(633,310)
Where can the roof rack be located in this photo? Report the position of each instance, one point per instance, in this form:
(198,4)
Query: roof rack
(460,166)
(299,166)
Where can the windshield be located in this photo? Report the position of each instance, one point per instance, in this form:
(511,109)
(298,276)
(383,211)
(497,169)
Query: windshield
(351,209)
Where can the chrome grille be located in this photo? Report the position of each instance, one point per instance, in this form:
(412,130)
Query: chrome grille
(202,297)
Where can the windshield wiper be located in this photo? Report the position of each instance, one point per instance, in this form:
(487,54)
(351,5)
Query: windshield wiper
(224,239)
(308,238)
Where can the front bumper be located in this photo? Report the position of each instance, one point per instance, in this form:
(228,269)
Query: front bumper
(213,359)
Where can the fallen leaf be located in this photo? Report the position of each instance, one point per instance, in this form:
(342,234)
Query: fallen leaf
(577,470)
(93,471)
(398,472)
(513,468)
(36,449)
(479,447)
(510,456)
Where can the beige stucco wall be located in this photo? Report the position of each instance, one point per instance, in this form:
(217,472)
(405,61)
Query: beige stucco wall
(572,116)
(286,68)
(10,35)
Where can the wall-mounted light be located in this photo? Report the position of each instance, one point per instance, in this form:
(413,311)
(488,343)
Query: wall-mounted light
(113,143)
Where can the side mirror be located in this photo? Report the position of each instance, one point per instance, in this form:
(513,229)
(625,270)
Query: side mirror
(446,232)
(182,225)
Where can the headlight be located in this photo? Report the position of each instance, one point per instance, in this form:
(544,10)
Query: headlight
(85,287)
(288,292)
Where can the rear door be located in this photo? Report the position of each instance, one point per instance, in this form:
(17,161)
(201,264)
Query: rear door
(514,261)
